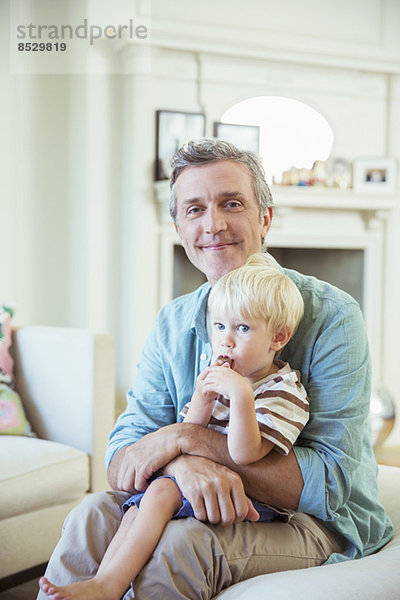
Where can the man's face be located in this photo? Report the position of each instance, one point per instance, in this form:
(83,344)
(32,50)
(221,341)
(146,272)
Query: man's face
(218,218)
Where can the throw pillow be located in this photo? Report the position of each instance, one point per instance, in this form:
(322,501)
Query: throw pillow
(12,415)
(6,361)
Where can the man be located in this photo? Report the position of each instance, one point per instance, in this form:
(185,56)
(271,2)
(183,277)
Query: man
(222,209)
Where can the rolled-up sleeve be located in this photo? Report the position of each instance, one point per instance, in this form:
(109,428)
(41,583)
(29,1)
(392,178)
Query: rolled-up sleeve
(165,376)
(149,402)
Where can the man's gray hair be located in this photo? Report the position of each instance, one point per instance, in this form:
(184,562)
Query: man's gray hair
(209,150)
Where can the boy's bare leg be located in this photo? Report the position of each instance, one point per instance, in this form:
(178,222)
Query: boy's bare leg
(130,548)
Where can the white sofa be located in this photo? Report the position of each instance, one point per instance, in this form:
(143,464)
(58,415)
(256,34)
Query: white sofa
(65,378)
(369,578)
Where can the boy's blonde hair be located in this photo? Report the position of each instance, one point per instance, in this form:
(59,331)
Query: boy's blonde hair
(258,289)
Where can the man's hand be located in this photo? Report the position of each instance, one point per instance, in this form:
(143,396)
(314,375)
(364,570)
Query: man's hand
(215,492)
(275,479)
(134,465)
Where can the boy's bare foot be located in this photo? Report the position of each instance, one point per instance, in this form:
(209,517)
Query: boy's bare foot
(91,589)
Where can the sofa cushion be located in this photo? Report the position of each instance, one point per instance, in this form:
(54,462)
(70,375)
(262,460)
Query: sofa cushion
(37,473)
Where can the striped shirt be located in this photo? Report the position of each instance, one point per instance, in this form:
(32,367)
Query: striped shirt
(281,406)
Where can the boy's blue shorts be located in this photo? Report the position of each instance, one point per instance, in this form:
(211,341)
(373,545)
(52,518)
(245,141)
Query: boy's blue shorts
(266,513)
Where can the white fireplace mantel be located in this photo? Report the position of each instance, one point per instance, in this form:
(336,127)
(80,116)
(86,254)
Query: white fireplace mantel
(319,210)
(312,218)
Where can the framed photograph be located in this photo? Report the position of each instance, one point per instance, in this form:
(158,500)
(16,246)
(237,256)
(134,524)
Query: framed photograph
(375,175)
(244,137)
(172,130)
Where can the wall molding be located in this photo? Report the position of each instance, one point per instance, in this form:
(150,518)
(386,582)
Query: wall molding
(253,44)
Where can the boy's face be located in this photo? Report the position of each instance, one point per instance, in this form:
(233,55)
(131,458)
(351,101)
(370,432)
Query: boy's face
(247,342)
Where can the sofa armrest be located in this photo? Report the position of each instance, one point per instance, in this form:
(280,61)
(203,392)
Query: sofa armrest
(65,378)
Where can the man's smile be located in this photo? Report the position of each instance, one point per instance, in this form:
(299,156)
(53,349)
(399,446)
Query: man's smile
(217,245)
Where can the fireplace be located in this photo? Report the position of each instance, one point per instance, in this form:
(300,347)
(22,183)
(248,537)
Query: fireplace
(341,267)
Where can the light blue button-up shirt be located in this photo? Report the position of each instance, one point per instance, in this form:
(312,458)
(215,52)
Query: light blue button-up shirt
(330,349)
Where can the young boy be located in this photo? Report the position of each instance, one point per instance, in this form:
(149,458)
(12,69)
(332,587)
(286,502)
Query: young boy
(256,400)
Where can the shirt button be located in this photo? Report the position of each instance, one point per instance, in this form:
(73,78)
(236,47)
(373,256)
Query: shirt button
(203,357)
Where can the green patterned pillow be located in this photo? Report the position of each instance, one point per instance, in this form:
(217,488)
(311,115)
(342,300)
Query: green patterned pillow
(12,415)
(6,361)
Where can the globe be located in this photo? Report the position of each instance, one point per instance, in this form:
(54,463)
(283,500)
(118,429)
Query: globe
(382,414)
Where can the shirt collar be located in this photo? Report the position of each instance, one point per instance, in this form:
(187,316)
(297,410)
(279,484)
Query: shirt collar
(198,324)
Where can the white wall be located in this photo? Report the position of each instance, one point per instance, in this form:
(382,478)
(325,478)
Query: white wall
(33,159)
(80,243)
(391,314)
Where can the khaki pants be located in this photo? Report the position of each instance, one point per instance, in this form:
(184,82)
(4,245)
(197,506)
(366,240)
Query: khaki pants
(193,560)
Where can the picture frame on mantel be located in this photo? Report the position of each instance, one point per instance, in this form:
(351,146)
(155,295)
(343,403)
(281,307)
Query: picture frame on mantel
(173,129)
(375,175)
(244,137)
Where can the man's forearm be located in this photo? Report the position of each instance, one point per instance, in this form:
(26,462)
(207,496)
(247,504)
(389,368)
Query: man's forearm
(275,479)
